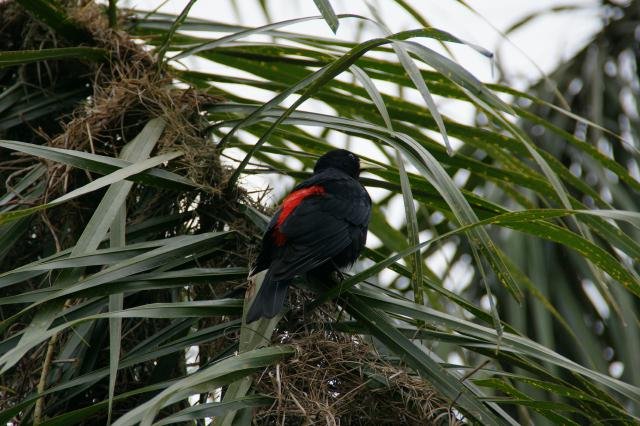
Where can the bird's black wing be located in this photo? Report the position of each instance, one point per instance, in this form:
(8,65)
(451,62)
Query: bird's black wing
(269,250)
(319,228)
(322,226)
(313,237)
(268,247)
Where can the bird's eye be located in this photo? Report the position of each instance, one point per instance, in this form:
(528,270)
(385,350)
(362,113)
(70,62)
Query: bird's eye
(352,156)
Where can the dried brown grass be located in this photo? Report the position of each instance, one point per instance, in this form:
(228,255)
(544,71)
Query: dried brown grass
(124,93)
(338,379)
(132,88)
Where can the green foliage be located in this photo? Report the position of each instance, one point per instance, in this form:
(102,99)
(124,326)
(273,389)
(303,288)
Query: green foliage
(115,261)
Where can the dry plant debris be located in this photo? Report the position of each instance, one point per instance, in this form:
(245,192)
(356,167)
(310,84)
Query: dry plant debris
(117,98)
(338,379)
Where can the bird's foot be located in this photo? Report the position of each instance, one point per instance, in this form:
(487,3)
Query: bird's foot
(339,276)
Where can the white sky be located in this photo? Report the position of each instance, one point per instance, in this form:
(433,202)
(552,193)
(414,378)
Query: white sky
(541,45)
(547,40)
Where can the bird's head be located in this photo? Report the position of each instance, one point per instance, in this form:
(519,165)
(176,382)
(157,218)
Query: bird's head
(340,159)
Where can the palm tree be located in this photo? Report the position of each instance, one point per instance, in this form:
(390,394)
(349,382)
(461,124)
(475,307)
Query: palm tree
(127,231)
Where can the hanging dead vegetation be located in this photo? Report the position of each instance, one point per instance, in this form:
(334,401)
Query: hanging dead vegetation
(338,379)
(98,107)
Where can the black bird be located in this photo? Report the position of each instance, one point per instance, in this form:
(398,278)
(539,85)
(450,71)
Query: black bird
(321,223)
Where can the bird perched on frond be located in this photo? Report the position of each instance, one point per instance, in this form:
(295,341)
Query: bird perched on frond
(321,223)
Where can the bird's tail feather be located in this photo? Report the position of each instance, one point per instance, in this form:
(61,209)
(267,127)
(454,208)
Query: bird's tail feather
(269,300)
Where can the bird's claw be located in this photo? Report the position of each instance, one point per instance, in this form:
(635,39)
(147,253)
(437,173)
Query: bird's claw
(339,275)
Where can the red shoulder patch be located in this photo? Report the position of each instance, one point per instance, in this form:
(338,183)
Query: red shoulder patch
(289,204)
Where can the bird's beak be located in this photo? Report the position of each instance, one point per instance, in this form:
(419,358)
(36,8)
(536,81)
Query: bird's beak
(366,166)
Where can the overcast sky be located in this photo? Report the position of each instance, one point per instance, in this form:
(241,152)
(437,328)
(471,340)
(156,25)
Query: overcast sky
(539,46)
(547,40)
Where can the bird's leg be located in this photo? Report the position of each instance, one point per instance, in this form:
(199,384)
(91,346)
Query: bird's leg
(338,272)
